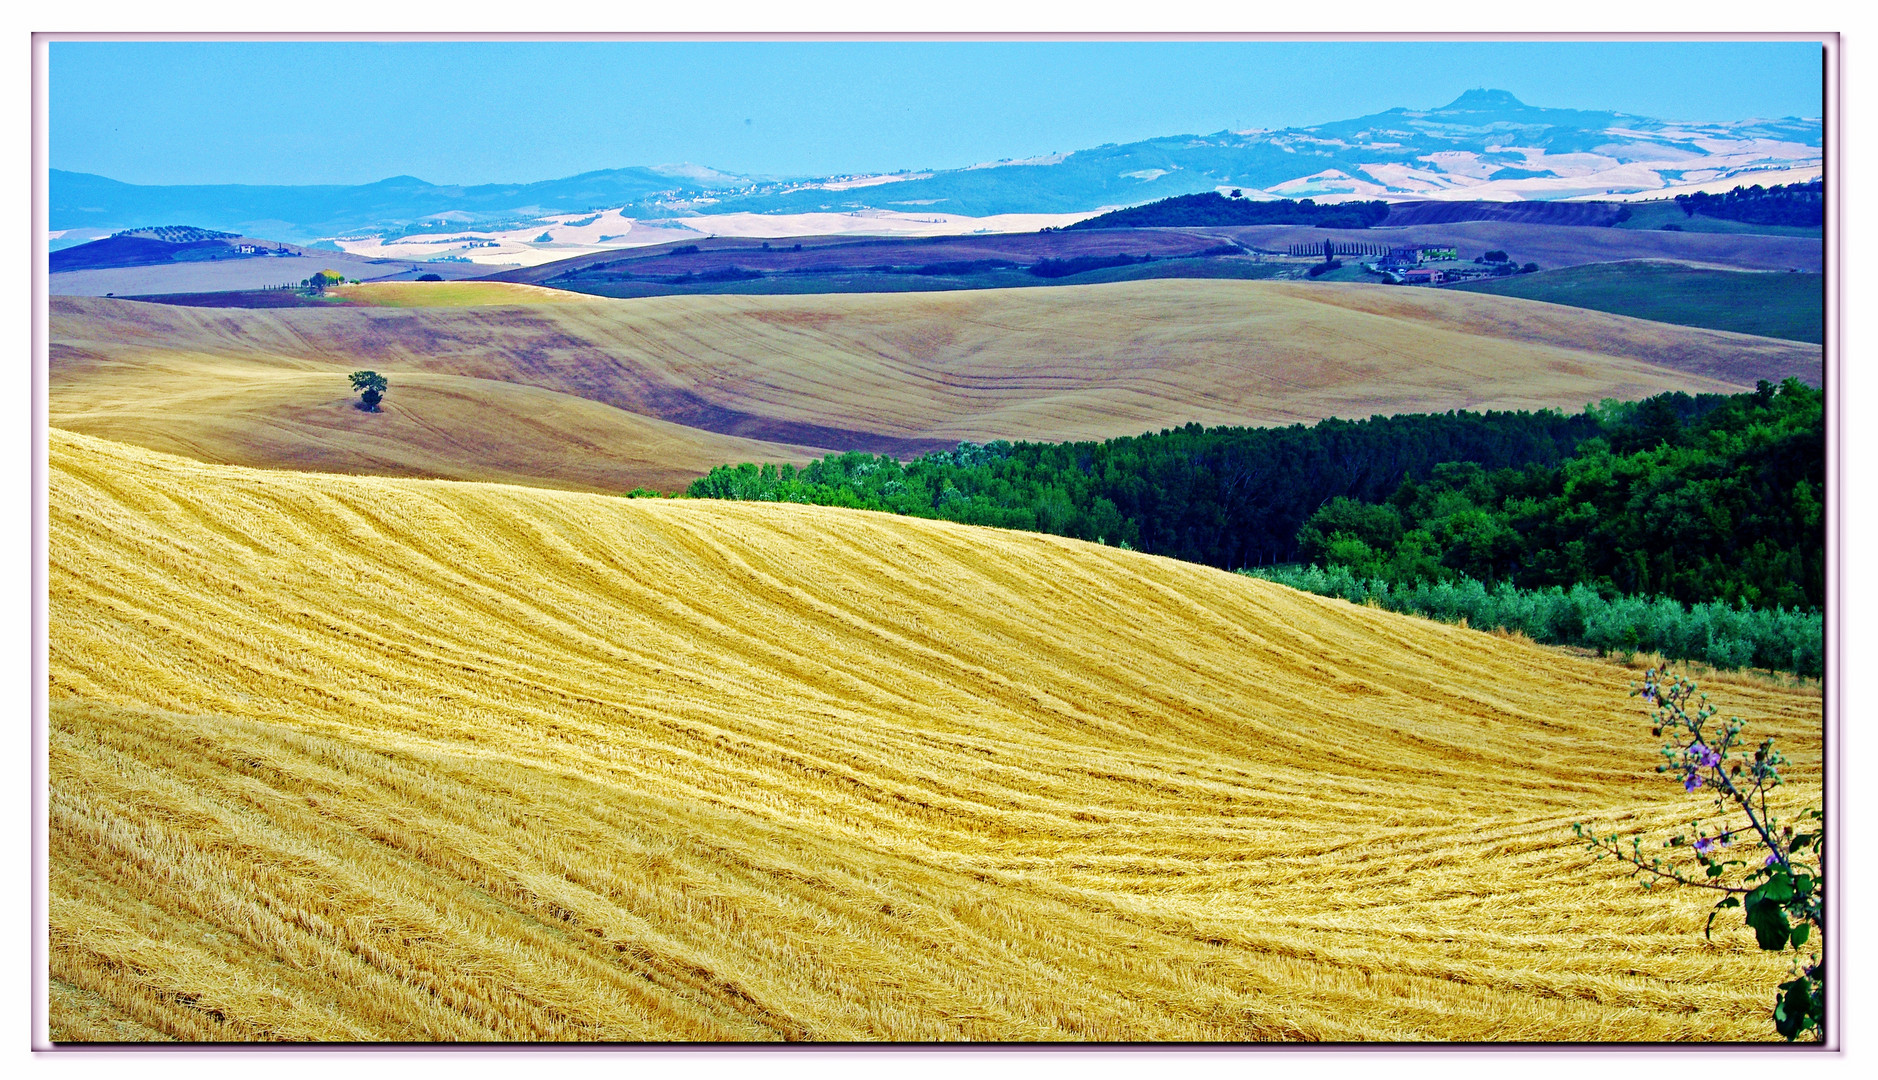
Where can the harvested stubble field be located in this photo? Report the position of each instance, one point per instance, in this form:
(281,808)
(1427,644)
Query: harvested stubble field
(363,758)
(611,394)
(450,294)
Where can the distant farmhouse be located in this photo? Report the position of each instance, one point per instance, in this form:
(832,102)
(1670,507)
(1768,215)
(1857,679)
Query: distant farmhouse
(1406,257)
(1405,265)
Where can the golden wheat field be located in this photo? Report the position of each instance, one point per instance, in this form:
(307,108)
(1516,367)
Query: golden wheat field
(606,395)
(361,758)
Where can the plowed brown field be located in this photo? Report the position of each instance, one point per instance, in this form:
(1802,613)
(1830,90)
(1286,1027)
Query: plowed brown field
(366,758)
(626,392)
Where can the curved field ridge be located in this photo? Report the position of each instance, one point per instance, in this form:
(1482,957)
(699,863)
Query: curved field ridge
(364,758)
(451,294)
(886,373)
(446,426)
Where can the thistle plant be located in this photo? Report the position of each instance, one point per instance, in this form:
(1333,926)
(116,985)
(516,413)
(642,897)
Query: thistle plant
(1758,864)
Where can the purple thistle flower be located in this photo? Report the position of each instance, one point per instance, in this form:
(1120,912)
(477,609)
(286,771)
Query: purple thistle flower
(1771,860)
(1691,782)
(1704,756)
(1702,845)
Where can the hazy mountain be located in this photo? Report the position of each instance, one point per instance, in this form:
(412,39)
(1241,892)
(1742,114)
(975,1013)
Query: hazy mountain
(302,213)
(1486,144)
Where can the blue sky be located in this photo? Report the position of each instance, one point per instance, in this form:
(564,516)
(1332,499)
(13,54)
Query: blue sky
(467,113)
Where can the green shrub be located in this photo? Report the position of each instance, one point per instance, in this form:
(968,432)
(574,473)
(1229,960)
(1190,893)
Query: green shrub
(1714,632)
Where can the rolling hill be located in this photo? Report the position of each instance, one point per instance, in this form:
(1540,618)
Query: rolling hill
(1553,234)
(1006,260)
(374,759)
(1485,144)
(606,395)
(449,294)
(1554,246)
(1791,306)
(186,259)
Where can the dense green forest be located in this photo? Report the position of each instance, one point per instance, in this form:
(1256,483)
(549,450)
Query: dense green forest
(1227,497)
(1676,501)
(1212,208)
(1697,505)
(1792,204)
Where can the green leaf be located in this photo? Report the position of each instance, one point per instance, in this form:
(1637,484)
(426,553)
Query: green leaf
(1790,1010)
(1799,934)
(1779,887)
(1769,921)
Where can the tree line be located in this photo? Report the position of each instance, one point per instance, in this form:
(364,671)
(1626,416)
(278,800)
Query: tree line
(1714,632)
(1212,208)
(1725,503)
(1791,204)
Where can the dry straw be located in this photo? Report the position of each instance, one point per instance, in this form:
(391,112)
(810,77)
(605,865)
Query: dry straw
(358,758)
(608,395)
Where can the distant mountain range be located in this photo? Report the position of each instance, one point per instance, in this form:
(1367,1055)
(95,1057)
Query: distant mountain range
(1486,144)
(82,201)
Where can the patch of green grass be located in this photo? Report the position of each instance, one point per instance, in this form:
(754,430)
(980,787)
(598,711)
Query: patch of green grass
(1791,306)
(1351,270)
(1655,215)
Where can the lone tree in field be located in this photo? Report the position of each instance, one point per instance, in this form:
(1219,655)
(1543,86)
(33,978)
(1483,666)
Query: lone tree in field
(371,387)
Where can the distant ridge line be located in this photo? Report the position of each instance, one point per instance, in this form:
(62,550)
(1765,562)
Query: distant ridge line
(1445,212)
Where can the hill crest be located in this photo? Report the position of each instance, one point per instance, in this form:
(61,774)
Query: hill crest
(613,394)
